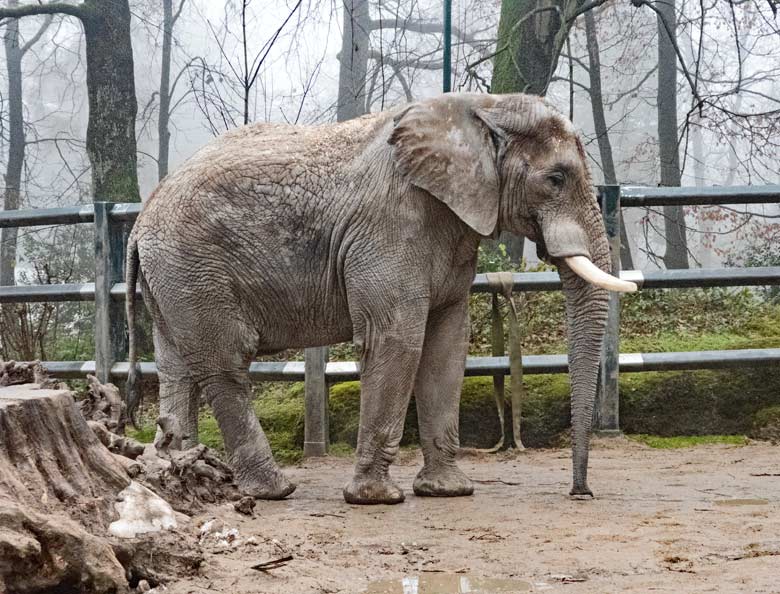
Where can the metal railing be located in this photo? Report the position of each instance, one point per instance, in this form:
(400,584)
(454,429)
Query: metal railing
(108,293)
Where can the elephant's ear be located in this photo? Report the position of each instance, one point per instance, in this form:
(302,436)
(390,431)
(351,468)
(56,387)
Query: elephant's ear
(445,148)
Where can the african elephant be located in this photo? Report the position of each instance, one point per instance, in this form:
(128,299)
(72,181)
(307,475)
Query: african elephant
(277,236)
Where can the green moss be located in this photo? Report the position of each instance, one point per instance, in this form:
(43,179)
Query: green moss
(767,416)
(208,430)
(144,434)
(696,402)
(341,449)
(545,412)
(664,443)
(766,424)
(344,404)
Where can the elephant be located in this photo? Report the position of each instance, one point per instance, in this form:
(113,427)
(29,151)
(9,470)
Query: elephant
(279,236)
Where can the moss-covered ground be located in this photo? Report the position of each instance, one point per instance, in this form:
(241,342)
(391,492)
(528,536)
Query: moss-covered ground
(664,409)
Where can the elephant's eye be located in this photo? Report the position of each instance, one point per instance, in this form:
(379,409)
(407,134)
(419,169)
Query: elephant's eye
(556,178)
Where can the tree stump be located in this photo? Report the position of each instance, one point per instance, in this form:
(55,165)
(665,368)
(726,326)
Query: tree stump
(54,470)
(69,513)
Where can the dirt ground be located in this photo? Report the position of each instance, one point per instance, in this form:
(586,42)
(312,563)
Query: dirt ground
(704,519)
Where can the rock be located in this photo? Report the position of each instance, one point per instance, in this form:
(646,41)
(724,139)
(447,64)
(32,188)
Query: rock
(141,511)
(245,505)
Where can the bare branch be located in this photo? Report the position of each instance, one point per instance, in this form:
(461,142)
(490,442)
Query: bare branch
(17,12)
(38,34)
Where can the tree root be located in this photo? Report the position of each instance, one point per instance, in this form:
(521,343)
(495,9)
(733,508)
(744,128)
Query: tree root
(103,404)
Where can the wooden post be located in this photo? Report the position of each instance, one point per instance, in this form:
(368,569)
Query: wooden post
(316,431)
(110,337)
(608,404)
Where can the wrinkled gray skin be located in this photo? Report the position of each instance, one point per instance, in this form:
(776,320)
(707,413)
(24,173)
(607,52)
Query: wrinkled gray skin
(275,237)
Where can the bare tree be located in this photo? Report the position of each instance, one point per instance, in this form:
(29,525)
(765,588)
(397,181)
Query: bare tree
(14,54)
(353,60)
(111,144)
(600,125)
(227,104)
(164,110)
(676,255)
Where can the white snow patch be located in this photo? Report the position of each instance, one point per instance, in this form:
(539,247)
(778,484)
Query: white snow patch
(140,511)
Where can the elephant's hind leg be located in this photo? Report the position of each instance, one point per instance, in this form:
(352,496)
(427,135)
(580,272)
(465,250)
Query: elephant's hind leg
(222,373)
(178,392)
(437,393)
(389,364)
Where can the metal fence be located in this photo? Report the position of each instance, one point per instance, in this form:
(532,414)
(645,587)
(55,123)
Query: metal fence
(108,292)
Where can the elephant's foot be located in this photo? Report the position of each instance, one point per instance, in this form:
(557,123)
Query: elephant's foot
(268,484)
(581,491)
(365,490)
(442,481)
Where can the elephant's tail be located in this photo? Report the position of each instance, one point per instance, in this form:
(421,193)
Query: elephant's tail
(132,388)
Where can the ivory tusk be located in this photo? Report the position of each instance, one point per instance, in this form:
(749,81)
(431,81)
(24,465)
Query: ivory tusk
(588,271)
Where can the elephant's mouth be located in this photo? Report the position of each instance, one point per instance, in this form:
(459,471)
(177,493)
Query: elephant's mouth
(541,252)
(566,242)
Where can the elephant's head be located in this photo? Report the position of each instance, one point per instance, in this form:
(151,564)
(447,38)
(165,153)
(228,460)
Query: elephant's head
(511,162)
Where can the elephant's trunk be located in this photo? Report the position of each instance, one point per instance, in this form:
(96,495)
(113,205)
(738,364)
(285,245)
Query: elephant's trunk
(586,316)
(569,241)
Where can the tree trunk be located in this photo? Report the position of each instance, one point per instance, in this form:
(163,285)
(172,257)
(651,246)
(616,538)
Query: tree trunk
(528,50)
(600,124)
(676,255)
(111,144)
(353,60)
(163,117)
(514,245)
(706,255)
(16,146)
(530,40)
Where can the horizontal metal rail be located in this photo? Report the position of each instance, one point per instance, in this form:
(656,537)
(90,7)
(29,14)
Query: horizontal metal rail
(630,196)
(656,279)
(63,292)
(698,196)
(523,281)
(475,366)
(68,215)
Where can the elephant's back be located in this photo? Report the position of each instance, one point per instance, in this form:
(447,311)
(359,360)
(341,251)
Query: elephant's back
(260,165)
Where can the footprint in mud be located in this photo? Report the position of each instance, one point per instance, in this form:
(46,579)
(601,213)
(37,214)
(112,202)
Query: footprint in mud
(448,584)
(737,502)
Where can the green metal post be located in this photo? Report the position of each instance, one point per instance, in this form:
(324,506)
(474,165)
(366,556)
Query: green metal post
(447,75)
(110,338)
(608,405)
(316,434)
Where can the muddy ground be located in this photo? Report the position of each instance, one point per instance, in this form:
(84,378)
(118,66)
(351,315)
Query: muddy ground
(703,519)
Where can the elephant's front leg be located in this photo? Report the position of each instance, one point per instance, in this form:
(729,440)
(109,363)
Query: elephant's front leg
(437,393)
(388,367)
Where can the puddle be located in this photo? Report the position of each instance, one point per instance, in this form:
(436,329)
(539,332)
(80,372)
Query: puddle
(741,502)
(443,583)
